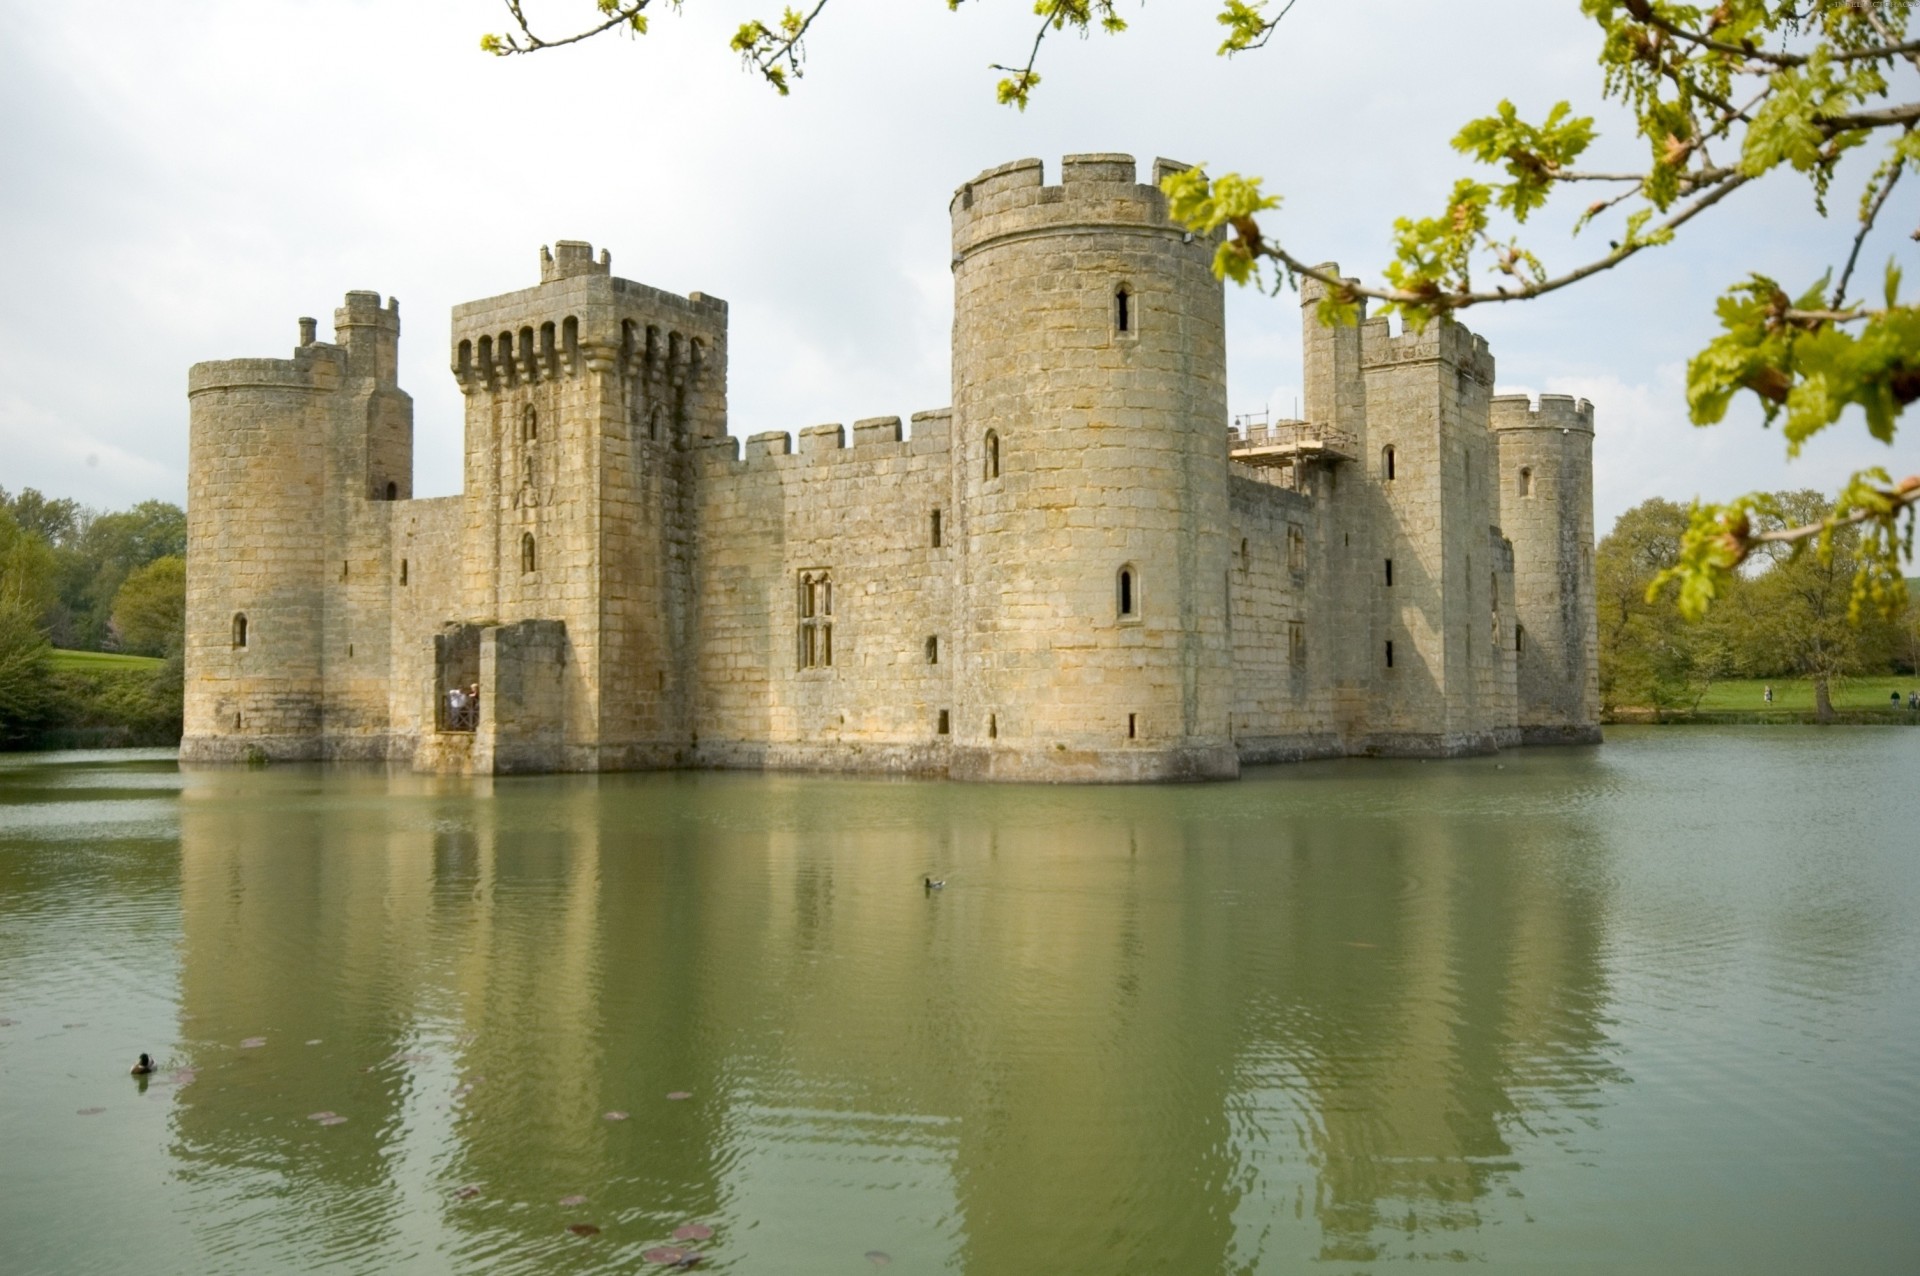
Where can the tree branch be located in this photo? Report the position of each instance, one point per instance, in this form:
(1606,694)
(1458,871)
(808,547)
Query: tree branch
(623,15)
(1448,302)
(1904,496)
(1867,220)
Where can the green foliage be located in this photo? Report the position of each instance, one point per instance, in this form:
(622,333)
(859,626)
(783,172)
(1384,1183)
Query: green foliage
(24,673)
(1531,154)
(1227,201)
(1791,616)
(150,609)
(1646,659)
(75,572)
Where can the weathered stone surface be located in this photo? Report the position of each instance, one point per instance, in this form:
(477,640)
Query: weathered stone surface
(1077,573)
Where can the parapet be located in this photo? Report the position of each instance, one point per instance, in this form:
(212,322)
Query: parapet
(871,439)
(1443,340)
(570,257)
(1095,189)
(1555,412)
(363,310)
(316,367)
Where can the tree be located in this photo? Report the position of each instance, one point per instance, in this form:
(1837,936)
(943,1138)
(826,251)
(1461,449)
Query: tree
(1722,98)
(99,559)
(150,609)
(1795,612)
(54,521)
(24,672)
(1648,657)
(26,568)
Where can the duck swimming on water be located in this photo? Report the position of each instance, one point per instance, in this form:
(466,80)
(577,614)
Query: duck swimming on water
(143,1066)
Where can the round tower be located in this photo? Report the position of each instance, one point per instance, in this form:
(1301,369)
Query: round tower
(1089,440)
(256,566)
(1546,510)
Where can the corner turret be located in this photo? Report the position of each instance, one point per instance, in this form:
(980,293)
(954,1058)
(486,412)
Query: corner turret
(1545,485)
(1089,376)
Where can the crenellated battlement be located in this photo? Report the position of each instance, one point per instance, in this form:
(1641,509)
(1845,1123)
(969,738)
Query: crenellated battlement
(1555,412)
(569,258)
(1095,190)
(316,367)
(871,439)
(1443,341)
(580,318)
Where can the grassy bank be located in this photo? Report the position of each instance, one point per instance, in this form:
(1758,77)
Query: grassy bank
(103,700)
(1860,701)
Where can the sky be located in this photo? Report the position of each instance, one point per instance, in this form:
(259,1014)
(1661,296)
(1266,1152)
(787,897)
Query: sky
(183,181)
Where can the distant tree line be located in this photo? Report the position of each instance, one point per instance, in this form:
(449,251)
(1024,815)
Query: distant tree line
(78,579)
(1792,613)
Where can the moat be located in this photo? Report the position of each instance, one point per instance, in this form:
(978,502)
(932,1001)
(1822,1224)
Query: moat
(1651,1006)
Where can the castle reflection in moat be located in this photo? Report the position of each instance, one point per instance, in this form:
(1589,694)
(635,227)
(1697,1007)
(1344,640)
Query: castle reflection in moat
(1143,1030)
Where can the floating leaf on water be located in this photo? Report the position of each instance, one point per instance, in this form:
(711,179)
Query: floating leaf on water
(879,1257)
(583,1229)
(90,1111)
(468,1192)
(333,1120)
(665,1255)
(320,1116)
(616,1116)
(575,1199)
(253,1043)
(314,1042)
(677,1095)
(692,1232)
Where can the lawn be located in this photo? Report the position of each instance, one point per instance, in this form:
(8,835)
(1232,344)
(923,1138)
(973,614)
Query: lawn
(101,661)
(1796,694)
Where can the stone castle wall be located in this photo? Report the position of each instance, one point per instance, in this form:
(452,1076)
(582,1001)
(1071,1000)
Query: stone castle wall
(1076,573)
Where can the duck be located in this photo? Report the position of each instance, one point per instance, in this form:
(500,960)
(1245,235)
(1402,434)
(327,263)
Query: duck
(142,1066)
(933,885)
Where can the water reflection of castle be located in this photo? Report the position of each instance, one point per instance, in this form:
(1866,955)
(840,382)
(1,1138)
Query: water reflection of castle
(1119,1012)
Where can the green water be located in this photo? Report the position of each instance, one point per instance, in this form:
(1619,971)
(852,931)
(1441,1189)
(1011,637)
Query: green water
(1651,1007)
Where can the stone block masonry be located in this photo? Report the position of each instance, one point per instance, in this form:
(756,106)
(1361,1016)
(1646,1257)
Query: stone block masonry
(1075,573)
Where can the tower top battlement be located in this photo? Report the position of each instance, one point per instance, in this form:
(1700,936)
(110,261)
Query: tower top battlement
(1097,189)
(570,257)
(1556,412)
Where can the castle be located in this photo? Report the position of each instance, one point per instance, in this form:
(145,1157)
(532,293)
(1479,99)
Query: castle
(1079,571)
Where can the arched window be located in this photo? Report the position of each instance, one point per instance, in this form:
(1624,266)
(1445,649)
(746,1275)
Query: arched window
(653,420)
(528,562)
(1389,572)
(1122,310)
(1127,593)
(403,571)
(1386,464)
(991,469)
(1389,653)
(936,529)
(933,649)
(239,629)
(393,491)
(1519,639)
(529,423)
(1526,480)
